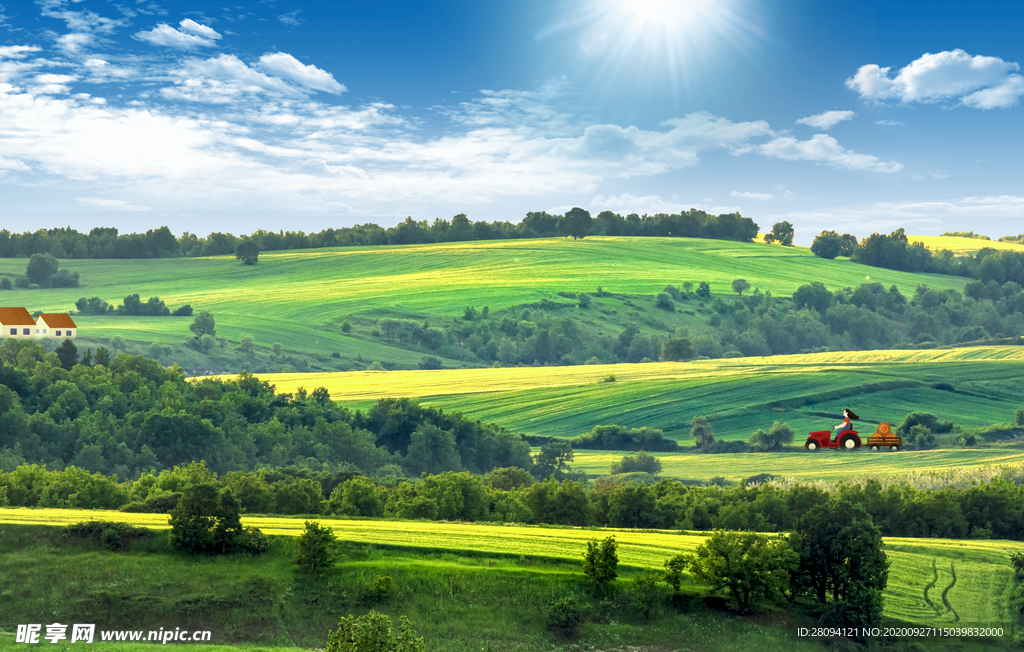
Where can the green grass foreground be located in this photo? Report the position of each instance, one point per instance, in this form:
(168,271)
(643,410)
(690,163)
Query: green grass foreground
(970,386)
(456,602)
(299,298)
(932,582)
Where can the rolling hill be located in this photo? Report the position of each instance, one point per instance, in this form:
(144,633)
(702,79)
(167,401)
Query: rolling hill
(300,298)
(972,386)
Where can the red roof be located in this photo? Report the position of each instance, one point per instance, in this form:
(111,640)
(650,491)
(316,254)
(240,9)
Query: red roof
(58,320)
(16,317)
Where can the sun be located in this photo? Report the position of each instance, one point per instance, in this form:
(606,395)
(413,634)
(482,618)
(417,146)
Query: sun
(665,13)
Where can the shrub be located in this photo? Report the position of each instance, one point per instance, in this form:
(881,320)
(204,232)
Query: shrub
(430,362)
(781,433)
(565,617)
(317,548)
(640,463)
(108,534)
(601,563)
(372,633)
(380,592)
(205,521)
(663,300)
(254,541)
(183,311)
(5,283)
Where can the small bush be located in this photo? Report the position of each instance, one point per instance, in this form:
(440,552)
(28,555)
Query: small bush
(108,534)
(663,300)
(430,362)
(565,617)
(159,504)
(317,548)
(254,541)
(380,592)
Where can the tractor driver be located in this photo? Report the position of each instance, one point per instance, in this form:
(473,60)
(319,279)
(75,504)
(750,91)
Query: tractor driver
(845,425)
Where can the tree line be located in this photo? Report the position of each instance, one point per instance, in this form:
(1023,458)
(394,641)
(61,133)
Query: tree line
(107,242)
(895,251)
(984,510)
(814,319)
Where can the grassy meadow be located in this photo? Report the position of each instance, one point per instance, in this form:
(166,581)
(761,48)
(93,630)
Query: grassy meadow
(827,466)
(971,386)
(972,578)
(300,298)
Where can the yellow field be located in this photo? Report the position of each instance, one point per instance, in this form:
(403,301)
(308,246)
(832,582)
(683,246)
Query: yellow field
(371,385)
(962,245)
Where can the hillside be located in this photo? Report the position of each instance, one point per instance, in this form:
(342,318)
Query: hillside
(301,298)
(931,581)
(972,386)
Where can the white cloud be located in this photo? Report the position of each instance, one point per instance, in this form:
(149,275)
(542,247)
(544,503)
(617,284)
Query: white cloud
(113,204)
(889,123)
(885,216)
(752,195)
(825,149)
(74,42)
(13,164)
(288,67)
(192,35)
(827,120)
(977,81)
(190,26)
(291,19)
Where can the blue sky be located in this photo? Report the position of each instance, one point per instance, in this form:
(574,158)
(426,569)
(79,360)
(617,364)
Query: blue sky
(208,116)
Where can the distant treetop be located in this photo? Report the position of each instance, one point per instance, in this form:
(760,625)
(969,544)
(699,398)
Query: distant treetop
(106,242)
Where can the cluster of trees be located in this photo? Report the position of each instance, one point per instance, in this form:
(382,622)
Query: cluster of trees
(43,271)
(868,317)
(894,251)
(106,242)
(986,510)
(538,335)
(132,306)
(128,414)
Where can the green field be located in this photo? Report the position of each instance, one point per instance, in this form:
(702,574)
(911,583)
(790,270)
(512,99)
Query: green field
(971,387)
(299,298)
(979,595)
(828,466)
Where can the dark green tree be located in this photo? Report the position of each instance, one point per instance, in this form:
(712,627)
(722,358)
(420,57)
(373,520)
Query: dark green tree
(779,434)
(553,459)
(318,548)
(752,566)
(827,245)
(703,290)
(575,223)
(740,285)
(782,232)
(205,521)
(840,551)
(702,432)
(103,356)
(247,251)
(677,349)
(41,269)
(601,564)
(640,463)
(67,353)
(204,325)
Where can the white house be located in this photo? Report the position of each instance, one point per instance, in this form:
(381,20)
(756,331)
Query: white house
(55,325)
(16,322)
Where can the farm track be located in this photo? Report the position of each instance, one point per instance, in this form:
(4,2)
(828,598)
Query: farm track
(945,592)
(935,579)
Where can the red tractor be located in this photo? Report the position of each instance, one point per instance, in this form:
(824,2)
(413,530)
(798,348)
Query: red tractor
(847,440)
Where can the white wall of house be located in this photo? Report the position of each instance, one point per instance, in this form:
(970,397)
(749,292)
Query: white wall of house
(18,330)
(41,329)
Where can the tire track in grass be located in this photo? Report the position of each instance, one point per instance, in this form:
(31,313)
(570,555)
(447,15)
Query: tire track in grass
(945,592)
(935,579)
